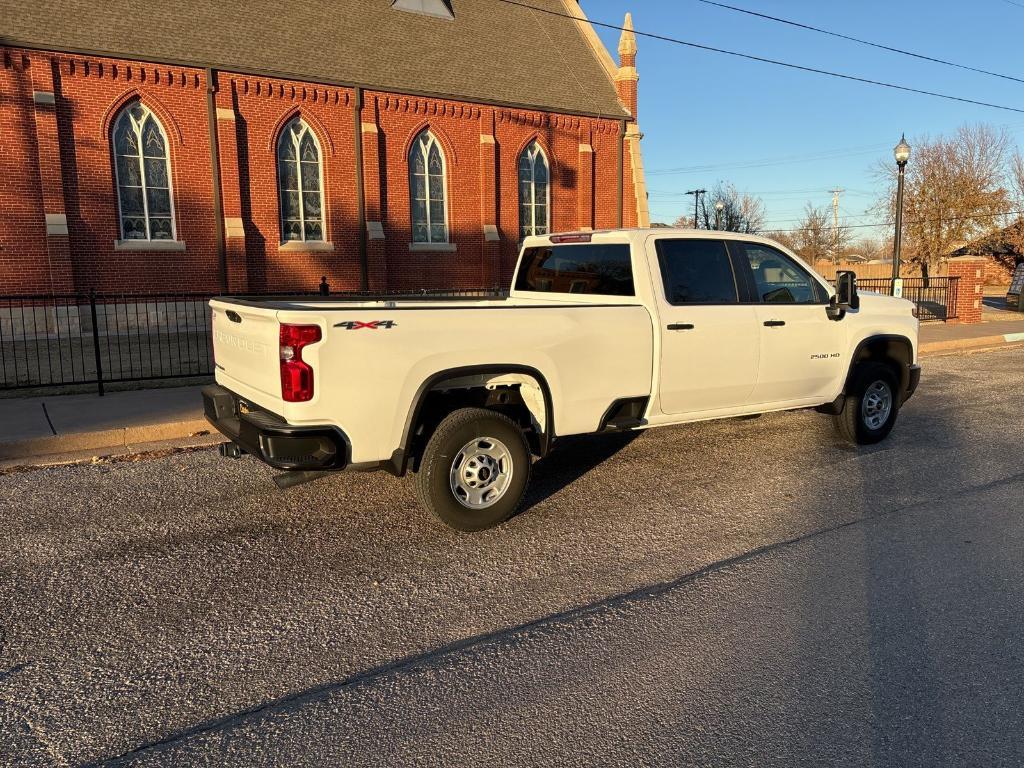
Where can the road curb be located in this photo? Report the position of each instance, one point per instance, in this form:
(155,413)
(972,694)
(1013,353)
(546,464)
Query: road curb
(120,437)
(960,345)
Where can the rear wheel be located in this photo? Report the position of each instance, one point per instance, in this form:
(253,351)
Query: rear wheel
(474,470)
(871,407)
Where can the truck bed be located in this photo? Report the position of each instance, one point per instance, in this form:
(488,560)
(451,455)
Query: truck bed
(375,356)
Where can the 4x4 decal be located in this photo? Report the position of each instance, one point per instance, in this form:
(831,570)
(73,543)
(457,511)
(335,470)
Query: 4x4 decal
(355,325)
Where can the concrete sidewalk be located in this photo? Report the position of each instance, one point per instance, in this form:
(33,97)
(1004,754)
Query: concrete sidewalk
(60,425)
(954,337)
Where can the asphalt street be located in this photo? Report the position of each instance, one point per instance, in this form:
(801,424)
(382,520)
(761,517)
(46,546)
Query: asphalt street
(746,592)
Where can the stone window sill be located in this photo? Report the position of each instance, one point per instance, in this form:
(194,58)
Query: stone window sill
(305,246)
(432,248)
(149,245)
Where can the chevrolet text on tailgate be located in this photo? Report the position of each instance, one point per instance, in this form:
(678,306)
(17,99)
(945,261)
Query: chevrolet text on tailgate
(602,331)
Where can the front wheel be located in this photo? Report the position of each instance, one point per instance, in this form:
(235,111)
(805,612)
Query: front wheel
(871,407)
(475,469)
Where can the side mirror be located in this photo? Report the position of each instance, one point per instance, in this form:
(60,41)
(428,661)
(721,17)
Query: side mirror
(846,290)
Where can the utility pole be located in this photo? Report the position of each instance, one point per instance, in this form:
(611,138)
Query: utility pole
(835,222)
(696,203)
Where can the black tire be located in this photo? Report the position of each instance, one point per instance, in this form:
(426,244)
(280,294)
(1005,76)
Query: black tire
(858,423)
(439,492)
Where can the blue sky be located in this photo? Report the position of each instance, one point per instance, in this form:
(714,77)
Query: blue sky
(756,125)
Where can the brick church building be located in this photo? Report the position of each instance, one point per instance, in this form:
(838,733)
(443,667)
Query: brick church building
(386,144)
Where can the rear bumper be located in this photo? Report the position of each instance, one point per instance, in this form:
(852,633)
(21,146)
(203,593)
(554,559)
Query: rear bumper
(270,438)
(913,380)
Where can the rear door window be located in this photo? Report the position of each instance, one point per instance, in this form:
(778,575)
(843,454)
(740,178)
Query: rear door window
(601,269)
(696,272)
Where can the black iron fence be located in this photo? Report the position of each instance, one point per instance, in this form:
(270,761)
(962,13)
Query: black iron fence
(935,297)
(72,339)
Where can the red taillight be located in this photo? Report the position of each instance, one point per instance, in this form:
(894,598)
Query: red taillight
(296,374)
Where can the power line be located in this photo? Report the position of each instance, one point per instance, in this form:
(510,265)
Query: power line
(880,46)
(761,193)
(775,62)
(846,218)
(847,215)
(828,154)
(1012,2)
(769,228)
(667,195)
(831,154)
(918,221)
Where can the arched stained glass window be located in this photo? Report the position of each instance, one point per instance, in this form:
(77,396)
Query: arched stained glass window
(534,211)
(427,190)
(300,183)
(143,171)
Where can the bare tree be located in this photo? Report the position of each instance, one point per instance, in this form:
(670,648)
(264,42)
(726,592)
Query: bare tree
(868,247)
(739,213)
(816,238)
(1017,175)
(954,192)
(782,236)
(1014,232)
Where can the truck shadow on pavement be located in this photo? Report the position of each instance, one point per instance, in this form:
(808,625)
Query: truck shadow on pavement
(571,459)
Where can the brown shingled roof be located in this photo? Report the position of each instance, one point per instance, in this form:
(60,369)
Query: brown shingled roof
(492,51)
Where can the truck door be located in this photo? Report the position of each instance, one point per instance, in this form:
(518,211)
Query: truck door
(802,350)
(710,341)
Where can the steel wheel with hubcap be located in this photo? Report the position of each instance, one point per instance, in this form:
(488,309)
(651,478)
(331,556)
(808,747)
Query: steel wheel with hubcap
(475,469)
(872,404)
(481,472)
(876,404)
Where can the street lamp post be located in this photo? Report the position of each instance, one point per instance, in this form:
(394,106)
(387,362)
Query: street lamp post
(902,154)
(719,207)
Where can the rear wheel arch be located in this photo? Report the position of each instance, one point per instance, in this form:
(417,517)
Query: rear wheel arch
(442,393)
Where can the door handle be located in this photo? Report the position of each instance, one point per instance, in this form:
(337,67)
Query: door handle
(680,326)
(774,323)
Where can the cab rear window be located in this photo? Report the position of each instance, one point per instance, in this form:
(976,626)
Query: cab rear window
(602,269)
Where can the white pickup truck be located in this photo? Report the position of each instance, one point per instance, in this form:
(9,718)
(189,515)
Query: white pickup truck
(602,331)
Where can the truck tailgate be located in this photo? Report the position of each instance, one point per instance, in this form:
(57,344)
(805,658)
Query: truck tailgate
(245,345)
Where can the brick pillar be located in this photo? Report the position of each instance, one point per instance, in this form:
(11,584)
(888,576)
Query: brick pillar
(231,190)
(376,255)
(585,180)
(491,249)
(45,95)
(969,290)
